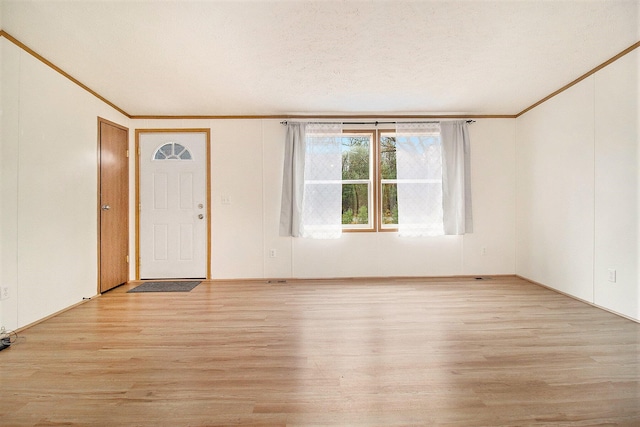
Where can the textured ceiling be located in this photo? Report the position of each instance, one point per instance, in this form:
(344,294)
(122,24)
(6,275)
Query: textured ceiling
(324,57)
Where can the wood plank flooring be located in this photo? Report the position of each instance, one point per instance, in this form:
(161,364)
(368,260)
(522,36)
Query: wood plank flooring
(424,352)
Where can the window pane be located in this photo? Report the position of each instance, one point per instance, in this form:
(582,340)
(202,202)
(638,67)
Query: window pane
(355,204)
(355,157)
(388,157)
(389,204)
(167,149)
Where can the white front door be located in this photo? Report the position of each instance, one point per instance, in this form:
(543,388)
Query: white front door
(173,205)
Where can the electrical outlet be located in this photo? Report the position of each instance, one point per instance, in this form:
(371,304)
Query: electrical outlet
(4,293)
(612,275)
(273,253)
(483,251)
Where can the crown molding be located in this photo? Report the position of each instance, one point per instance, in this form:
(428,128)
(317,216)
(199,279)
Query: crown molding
(345,116)
(581,78)
(60,70)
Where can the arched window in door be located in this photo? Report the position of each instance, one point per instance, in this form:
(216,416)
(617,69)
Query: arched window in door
(172,151)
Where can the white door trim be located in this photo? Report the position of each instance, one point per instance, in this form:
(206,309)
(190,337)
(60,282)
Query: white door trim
(207,133)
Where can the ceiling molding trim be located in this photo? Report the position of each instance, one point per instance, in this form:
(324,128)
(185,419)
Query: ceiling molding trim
(581,78)
(334,116)
(51,65)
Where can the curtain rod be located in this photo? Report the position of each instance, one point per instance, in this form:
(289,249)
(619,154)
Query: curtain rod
(376,123)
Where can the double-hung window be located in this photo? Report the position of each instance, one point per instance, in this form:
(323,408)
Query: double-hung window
(372,180)
(413,179)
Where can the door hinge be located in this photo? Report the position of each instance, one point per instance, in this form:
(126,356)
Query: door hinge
(127,259)
(127,154)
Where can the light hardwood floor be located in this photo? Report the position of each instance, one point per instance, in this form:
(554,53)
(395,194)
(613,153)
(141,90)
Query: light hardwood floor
(451,352)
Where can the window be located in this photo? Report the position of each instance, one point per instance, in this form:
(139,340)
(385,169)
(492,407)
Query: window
(172,151)
(369,181)
(357,180)
(414,179)
(370,178)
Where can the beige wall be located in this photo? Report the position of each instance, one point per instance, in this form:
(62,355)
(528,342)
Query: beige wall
(577,189)
(246,160)
(48,222)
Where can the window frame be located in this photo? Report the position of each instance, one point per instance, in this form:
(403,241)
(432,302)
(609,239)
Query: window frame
(372,199)
(375,195)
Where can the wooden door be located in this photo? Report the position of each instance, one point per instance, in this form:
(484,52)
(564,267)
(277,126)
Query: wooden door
(173,205)
(114,205)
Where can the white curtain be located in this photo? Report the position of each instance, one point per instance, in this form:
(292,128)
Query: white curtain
(322,205)
(293,180)
(312,182)
(456,177)
(419,177)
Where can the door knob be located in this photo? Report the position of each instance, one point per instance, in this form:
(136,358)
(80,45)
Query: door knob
(106,207)
(200,216)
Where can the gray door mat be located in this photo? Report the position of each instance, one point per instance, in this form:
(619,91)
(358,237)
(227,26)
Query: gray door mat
(165,286)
